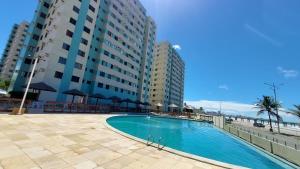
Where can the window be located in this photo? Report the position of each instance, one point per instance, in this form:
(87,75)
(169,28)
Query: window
(75,79)
(91,8)
(46,5)
(106,86)
(72,21)
(62,60)
(69,33)
(81,53)
(102,74)
(35,37)
(40,26)
(89,19)
(27,61)
(84,41)
(106,53)
(75,9)
(58,75)
(78,66)
(66,46)
(100,85)
(42,15)
(87,30)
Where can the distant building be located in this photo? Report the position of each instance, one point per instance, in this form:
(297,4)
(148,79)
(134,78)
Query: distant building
(96,46)
(167,77)
(11,52)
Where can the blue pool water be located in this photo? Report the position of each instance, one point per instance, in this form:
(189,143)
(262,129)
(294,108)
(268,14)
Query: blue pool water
(197,138)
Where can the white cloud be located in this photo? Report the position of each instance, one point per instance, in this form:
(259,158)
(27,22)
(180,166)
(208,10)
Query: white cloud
(223,87)
(287,73)
(177,47)
(226,106)
(262,35)
(235,108)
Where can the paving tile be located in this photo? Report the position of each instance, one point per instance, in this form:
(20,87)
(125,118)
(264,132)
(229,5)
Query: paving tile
(9,151)
(18,162)
(36,152)
(86,165)
(69,141)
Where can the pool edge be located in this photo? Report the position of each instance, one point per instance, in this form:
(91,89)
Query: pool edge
(177,152)
(263,151)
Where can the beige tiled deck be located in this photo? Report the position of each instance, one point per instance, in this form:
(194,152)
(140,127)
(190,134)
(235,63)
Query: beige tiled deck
(77,141)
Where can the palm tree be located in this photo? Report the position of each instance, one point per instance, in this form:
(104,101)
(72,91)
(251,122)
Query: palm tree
(201,110)
(267,104)
(295,111)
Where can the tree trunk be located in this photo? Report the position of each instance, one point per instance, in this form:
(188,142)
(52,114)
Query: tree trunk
(270,121)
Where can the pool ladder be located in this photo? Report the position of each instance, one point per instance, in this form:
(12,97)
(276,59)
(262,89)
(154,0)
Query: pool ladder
(151,139)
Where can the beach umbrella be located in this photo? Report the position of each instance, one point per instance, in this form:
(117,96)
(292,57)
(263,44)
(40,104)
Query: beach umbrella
(173,106)
(158,105)
(137,102)
(74,92)
(146,104)
(40,86)
(115,99)
(3,92)
(98,96)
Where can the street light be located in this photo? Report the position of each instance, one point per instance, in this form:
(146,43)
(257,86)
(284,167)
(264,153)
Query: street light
(274,88)
(28,84)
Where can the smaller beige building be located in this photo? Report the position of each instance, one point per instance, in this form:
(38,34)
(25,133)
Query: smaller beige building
(167,83)
(12,50)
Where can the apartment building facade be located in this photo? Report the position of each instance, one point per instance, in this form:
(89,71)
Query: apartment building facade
(96,46)
(167,77)
(12,50)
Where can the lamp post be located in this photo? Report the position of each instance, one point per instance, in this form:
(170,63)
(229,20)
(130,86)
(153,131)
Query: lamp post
(28,84)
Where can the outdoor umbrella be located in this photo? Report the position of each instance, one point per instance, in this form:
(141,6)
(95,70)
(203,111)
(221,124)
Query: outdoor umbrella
(115,99)
(3,92)
(158,105)
(74,92)
(40,86)
(146,104)
(137,102)
(172,106)
(98,96)
(127,101)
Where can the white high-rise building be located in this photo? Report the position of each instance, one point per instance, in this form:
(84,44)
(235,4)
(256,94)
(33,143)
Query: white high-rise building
(96,46)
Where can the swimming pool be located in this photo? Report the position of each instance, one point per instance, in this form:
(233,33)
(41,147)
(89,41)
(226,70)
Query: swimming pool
(198,138)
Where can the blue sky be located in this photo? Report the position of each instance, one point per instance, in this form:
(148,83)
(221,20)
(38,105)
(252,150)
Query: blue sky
(231,47)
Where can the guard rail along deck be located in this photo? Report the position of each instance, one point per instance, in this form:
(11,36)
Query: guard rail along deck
(290,154)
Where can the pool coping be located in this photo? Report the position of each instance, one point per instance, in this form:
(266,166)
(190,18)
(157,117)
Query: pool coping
(263,151)
(174,151)
(250,145)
